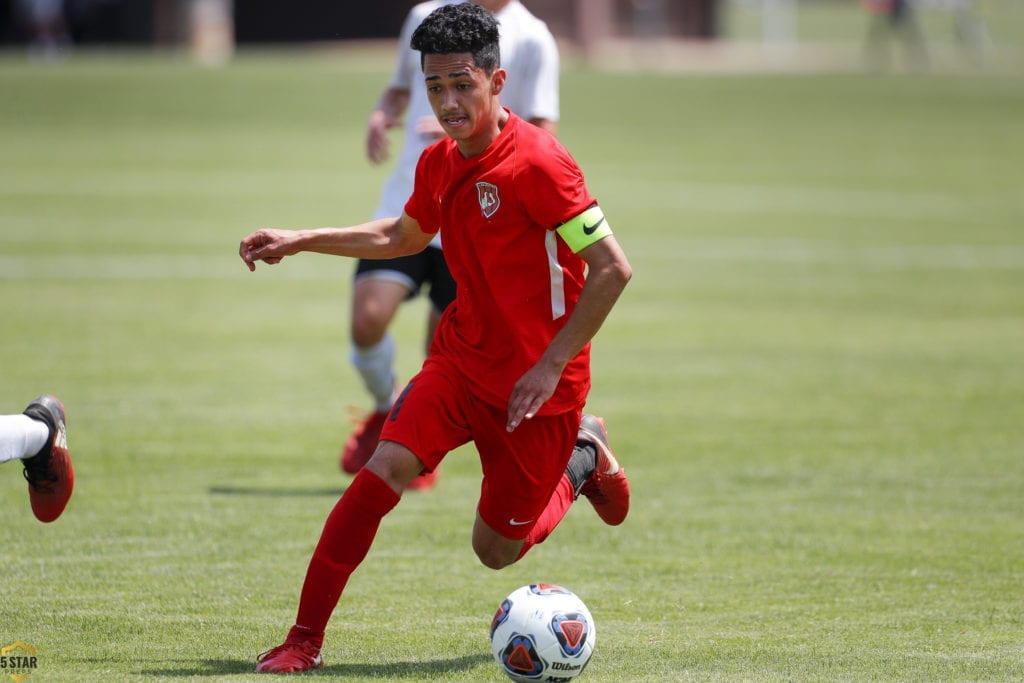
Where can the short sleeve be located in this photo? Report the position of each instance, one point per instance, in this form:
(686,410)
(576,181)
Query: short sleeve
(421,204)
(554,188)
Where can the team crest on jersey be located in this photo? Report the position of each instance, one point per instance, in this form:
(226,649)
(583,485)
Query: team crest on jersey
(487,195)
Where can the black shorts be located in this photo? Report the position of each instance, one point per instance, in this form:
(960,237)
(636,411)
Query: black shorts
(414,271)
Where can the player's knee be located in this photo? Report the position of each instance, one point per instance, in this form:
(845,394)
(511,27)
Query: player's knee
(494,560)
(368,329)
(495,556)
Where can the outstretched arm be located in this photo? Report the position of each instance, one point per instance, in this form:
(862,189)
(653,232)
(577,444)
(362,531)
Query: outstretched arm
(386,115)
(607,275)
(378,239)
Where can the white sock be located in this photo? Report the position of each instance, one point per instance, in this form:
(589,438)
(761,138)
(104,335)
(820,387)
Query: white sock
(21,437)
(375,365)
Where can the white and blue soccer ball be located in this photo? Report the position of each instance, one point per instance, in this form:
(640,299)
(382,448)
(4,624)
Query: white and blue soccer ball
(542,632)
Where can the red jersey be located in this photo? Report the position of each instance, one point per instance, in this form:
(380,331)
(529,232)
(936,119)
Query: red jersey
(518,281)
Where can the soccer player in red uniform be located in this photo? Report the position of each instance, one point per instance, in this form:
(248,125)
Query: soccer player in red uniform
(538,270)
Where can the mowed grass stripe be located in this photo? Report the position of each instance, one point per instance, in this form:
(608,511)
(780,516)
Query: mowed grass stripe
(780,253)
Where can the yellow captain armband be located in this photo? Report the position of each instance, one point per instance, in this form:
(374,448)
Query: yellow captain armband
(587,228)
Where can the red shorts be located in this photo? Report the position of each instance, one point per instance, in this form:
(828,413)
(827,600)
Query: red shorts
(437,413)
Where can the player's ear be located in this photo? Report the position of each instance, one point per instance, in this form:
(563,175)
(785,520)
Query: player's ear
(498,80)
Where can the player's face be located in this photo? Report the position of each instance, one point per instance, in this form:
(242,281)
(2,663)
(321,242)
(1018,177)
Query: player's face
(464,99)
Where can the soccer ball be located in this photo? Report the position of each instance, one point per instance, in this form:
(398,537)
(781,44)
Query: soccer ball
(542,632)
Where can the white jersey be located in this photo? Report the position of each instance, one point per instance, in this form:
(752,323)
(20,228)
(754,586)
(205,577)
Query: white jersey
(529,55)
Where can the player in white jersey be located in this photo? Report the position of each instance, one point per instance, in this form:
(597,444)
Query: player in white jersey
(530,56)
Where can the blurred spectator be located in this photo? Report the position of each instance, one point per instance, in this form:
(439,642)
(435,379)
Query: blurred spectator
(894,18)
(969,29)
(46,26)
(211,31)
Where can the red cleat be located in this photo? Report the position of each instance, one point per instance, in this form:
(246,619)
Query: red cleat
(49,473)
(290,657)
(607,489)
(363,442)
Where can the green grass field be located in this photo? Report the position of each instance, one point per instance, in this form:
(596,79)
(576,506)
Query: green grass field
(815,379)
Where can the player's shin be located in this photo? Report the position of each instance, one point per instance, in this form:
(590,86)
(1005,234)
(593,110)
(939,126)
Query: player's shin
(561,501)
(344,543)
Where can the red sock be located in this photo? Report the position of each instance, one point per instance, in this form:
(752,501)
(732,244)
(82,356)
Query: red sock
(344,542)
(561,501)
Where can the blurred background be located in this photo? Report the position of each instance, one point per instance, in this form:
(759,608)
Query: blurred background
(816,375)
(692,34)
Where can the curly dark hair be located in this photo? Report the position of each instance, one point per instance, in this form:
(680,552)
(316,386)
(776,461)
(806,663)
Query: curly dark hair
(463,27)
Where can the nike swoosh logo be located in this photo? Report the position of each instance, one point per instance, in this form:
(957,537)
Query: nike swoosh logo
(516,522)
(589,229)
